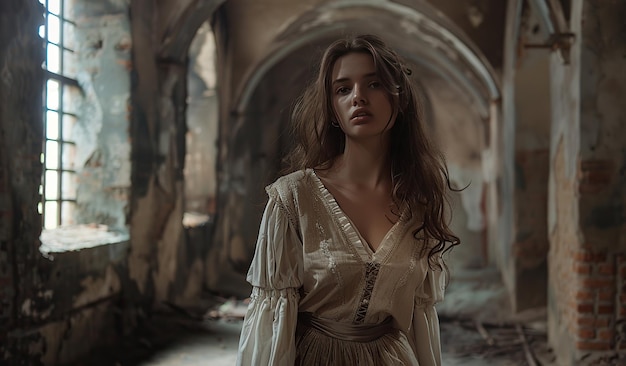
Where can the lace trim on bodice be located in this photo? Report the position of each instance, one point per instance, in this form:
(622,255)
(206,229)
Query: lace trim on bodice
(371,273)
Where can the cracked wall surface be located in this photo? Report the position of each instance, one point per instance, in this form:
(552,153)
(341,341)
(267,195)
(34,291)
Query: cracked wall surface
(103,151)
(587,219)
(140,121)
(21,56)
(57,303)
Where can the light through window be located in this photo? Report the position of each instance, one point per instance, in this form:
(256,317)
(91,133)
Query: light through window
(59,181)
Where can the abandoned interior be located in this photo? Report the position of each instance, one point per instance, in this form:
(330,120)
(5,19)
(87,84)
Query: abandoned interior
(137,136)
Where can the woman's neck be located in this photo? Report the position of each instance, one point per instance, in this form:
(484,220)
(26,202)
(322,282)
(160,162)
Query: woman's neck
(364,164)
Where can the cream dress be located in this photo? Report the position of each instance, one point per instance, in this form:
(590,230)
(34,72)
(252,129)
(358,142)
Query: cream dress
(311,258)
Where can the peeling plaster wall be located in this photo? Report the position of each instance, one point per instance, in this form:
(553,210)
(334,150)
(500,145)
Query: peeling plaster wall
(103,149)
(95,295)
(135,105)
(58,308)
(603,127)
(165,260)
(153,190)
(80,306)
(587,188)
(21,85)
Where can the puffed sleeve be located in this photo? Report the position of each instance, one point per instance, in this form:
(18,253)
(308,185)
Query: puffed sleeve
(268,332)
(424,336)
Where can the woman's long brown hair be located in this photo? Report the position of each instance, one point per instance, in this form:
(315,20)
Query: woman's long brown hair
(419,173)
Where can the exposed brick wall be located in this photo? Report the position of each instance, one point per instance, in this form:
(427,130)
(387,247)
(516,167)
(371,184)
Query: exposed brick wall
(592,298)
(593,306)
(588,288)
(601,178)
(586,314)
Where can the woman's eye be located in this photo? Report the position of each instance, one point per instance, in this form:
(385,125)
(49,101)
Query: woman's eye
(374,84)
(343,90)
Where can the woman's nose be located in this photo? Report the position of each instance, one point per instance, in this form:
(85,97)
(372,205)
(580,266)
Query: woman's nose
(359,96)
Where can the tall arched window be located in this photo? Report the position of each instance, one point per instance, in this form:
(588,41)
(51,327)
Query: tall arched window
(86,145)
(59,184)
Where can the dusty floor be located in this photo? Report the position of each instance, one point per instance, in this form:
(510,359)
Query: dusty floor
(477,327)
(477,330)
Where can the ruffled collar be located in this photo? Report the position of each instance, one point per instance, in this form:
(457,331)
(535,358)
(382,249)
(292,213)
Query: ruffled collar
(347,227)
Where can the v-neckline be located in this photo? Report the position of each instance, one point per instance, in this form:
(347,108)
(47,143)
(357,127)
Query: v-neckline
(347,225)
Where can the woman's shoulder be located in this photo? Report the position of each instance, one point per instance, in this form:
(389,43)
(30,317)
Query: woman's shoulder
(292,180)
(291,184)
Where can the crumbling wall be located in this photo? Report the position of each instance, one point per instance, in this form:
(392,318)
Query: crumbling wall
(164,263)
(587,218)
(59,307)
(56,308)
(103,150)
(21,85)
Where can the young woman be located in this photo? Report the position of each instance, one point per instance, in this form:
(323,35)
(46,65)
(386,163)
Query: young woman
(348,264)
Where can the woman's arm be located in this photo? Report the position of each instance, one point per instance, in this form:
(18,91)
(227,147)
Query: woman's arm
(425,336)
(268,332)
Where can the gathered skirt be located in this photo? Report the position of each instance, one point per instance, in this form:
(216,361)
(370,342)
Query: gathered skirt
(318,346)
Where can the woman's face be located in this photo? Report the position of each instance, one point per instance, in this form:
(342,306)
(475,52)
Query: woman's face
(362,105)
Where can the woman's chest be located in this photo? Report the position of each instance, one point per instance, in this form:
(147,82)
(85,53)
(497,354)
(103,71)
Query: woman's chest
(341,271)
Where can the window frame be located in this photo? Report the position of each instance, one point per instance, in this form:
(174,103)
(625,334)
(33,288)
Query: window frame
(59,75)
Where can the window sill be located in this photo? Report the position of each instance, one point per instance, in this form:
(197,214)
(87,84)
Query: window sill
(77,237)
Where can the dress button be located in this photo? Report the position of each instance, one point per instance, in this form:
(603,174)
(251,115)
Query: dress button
(365,301)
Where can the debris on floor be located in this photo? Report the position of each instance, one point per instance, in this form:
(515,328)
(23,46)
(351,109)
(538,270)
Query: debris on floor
(231,309)
(496,343)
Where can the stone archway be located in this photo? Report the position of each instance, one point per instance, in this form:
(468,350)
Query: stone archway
(455,72)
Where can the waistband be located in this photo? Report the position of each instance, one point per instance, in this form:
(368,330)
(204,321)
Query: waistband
(347,331)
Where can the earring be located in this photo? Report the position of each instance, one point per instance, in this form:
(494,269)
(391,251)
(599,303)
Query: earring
(334,124)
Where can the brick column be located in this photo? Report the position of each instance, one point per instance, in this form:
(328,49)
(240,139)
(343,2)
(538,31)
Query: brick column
(594,317)
(587,225)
